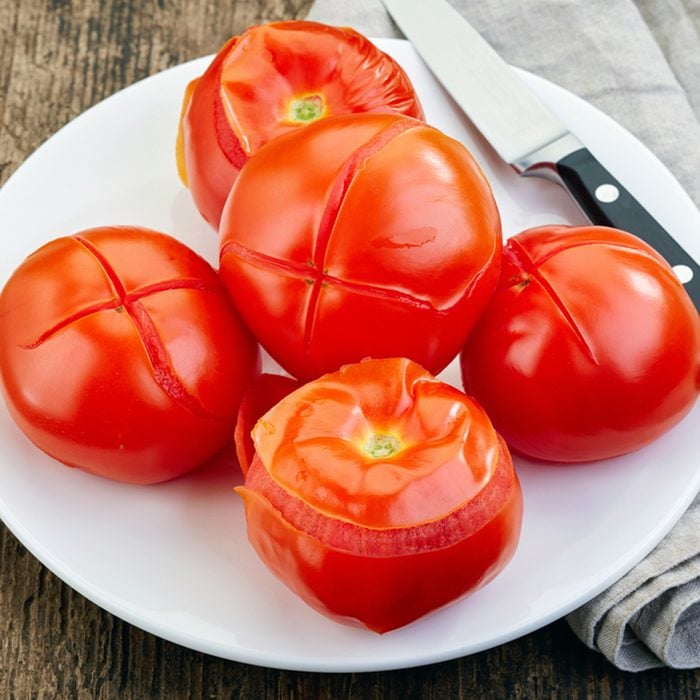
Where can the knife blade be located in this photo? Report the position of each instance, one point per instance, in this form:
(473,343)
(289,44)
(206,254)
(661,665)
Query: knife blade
(523,131)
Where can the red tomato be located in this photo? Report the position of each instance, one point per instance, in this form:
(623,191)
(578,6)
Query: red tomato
(589,348)
(272,79)
(121,354)
(365,235)
(379,494)
(262,394)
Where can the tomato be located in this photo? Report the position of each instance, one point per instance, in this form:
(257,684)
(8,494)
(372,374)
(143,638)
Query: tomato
(272,79)
(378,494)
(121,354)
(262,394)
(365,235)
(589,348)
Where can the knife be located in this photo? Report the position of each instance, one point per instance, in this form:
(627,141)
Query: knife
(523,131)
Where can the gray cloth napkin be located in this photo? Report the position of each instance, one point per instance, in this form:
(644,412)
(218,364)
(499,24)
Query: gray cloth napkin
(639,62)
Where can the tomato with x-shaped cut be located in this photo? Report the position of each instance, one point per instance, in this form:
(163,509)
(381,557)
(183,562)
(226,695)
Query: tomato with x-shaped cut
(370,235)
(589,348)
(121,354)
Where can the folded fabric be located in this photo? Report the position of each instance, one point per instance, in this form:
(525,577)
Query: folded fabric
(651,615)
(639,62)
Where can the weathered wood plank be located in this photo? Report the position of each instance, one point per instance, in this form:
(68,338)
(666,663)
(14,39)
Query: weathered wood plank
(58,58)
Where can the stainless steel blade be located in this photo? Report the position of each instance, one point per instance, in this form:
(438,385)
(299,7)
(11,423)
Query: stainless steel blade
(487,89)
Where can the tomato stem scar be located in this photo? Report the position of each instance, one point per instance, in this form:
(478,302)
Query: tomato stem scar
(307,109)
(381,445)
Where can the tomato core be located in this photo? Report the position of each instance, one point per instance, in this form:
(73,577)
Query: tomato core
(307,109)
(380,446)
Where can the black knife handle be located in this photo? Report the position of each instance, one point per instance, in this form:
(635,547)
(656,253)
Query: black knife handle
(607,203)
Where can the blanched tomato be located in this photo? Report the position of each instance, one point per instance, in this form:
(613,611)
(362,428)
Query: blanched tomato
(272,79)
(378,493)
(262,394)
(121,354)
(589,348)
(369,235)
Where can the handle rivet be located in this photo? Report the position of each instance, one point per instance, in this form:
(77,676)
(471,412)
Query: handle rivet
(684,273)
(606,193)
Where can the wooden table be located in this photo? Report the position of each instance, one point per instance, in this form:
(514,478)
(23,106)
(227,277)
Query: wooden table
(57,58)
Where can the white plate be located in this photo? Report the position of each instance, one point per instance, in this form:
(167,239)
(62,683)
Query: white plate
(173,559)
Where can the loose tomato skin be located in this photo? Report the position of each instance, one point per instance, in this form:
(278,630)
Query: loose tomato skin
(589,348)
(379,540)
(249,93)
(365,235)
(120,354)
(381,593)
